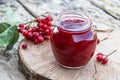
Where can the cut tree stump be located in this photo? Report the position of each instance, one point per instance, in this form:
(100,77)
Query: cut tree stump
(38,63)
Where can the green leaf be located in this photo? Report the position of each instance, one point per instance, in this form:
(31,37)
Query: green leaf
(3,27)
(7,36)
(12,18)
(2,11)
(13,40)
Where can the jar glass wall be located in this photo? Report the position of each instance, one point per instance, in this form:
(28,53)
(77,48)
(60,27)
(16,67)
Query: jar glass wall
(73,41)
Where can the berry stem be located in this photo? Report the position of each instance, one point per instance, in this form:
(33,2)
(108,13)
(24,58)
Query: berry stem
(111,53)
(30,21)
(107,36)
(44,15)
(104,39)
(109,30)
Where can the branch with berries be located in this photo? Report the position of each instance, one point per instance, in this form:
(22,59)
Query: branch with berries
(38,33)
(103,58)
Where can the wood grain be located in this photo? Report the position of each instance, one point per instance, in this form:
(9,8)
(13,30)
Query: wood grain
(38,63)
(111,7)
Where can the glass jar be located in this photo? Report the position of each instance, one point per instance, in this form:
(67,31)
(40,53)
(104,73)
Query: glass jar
(73,41)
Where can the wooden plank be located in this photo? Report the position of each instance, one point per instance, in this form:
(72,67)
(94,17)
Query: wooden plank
(37,61)
(9,62)
(17,8)
(94,70)
(100,18)
(109,6)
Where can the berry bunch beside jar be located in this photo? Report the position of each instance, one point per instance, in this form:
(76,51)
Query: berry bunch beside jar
(38,33)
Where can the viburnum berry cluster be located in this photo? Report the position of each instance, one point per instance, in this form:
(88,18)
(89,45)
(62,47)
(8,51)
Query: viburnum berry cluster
(38,33)
(103,58)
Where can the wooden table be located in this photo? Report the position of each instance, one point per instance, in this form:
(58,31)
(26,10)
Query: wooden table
(105,14)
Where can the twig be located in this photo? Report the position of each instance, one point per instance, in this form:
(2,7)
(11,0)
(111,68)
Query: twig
(104,39)
(109,30)
(44,15)
(29,22)
(111,53)
(106,36)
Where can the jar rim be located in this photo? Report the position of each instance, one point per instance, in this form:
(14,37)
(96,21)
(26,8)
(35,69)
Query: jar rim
(75,13)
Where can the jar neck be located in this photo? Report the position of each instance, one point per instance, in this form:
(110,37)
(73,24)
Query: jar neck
(74,21)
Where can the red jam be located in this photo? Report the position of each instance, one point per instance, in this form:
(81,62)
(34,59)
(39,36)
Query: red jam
(73,43)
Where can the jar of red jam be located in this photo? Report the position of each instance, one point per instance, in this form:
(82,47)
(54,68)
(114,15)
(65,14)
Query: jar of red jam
(73,41)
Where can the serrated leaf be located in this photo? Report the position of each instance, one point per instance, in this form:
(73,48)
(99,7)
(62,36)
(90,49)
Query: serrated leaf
(13,40)
(7,35)
(4,26)
(12,18)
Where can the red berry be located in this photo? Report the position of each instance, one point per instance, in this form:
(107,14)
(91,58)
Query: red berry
(35,41)
(38,20)
(99,58)
(98,41)
(48,31)
(49,24)
(43,20)
(104,60)
(44,26)
(25,33)
(40,25)
(46,37)
(36,35)
(20,30)
(33,29)
(29,36)
(40,39)
(21,25)
(39,30)
(99,53)
(49,18)
(24,46)
(32,39)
